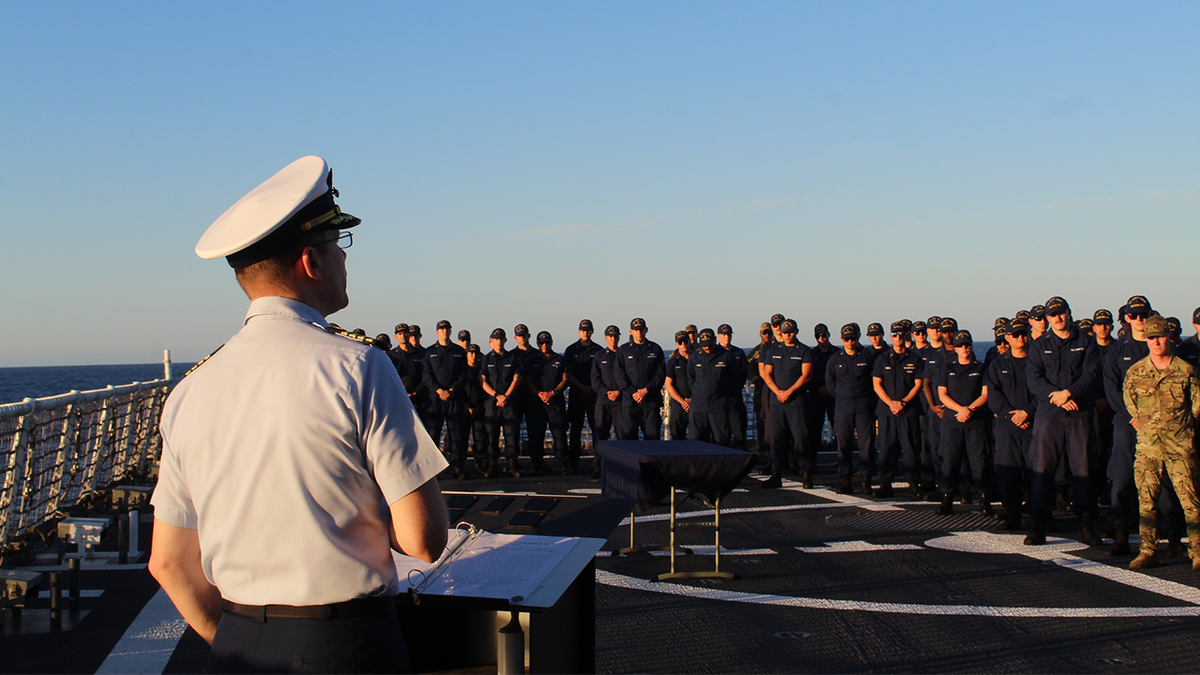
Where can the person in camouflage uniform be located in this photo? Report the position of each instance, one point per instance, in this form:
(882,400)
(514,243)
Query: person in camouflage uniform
(1163,396)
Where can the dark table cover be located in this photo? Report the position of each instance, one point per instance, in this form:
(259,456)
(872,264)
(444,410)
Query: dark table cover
(647,470)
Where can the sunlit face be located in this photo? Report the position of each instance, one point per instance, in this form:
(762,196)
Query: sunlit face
(497,344)
(611,341)
(789,337)
(965,352)
(1102,330)
(1037,324)
(1136,321)
(1059,321)
(1159,346)
(1018,340)
(898,341)
(546,347)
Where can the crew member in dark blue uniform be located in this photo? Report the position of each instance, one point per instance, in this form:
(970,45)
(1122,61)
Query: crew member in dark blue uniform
(1131,348)
(608,391)
(934,355)
(581,399)
(545,378)
(523,351)
(464,339)
(819,404)
(1062,371)
(848,378)
(678,387)
(1014,408)
(753,363)
(709,370)
(897,379)
(501,378)
(445,380)
(1189,349)
(411,356)
(476,402)
(786,372)
(962,388)
(641,372)
(1102,418)
(736,383)
(876,345)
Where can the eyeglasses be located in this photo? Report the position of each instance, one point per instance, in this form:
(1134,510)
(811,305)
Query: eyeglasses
(1018,335)
(345,240)
(1137,316)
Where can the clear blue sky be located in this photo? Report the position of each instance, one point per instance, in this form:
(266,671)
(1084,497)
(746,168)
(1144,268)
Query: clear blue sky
(688,162)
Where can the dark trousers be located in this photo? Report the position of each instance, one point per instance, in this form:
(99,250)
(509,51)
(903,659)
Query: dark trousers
(478,428)
(899,441)
(818,410)
(738,421)
(249,645)
(712,427)
(789,435)
(677,421)
(854,431)
(1012,469)
(964,442)
(452,415)
(1059,441)
(645,417)
(540,416)
(759,400)
(607,414)
(579,406)
(933,442)
(508,420)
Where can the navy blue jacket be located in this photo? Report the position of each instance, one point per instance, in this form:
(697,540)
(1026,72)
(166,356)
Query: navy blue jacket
(579,360)
(544,373)
(1121,355)
(677,370)
(445,368)
(710,377)
(500,369)
(1008,390)
(1072,364)
(740,370)
(604,374)
(641,367)
(849,380)
(964,384)
(898,373)
(787,363)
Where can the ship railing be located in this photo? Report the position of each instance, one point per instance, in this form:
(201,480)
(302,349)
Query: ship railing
(65,452)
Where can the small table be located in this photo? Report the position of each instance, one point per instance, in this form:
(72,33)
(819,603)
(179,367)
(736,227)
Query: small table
(647,471)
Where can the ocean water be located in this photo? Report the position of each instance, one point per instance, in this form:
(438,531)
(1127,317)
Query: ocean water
(16,384)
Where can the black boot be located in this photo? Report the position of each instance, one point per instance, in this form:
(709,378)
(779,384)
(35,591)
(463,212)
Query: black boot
(1087,534)
(885,490)
(985,504)
(846,488)
(806,480)
(1012,520)
(947,507)
(866,486)
(1120,547)
(773,481)
(1037,533)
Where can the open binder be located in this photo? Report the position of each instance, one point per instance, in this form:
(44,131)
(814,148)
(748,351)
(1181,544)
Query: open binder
(479,564)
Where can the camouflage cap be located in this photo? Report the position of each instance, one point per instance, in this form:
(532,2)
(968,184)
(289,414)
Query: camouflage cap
(1156,327)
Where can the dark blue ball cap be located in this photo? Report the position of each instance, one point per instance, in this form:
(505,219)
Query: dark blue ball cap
(820,329)
(499,334)
(1137,303)
(851,331)
(724,329)
(521,330)
(1057,305)
(612,330)
(875,329)
(963,338)
(1102,316)
(544,337)
(707,338)
(637,324)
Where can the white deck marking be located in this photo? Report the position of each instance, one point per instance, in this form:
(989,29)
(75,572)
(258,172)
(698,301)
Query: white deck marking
(707,513)
(856,547)
(1054,550)
(621,581)
(149,641)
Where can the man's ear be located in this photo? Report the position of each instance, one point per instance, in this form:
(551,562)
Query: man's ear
(309,264)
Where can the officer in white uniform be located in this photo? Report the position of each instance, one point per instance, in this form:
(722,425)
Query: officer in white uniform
(292,461)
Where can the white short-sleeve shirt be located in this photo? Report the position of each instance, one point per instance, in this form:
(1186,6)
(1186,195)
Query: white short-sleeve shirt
(283,451)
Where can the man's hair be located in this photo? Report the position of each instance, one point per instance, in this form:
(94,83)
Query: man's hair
(276,271)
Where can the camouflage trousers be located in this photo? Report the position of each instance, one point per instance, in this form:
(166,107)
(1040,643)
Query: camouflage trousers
(1148,471)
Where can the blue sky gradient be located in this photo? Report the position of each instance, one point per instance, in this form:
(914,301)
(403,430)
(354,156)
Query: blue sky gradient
(688,162)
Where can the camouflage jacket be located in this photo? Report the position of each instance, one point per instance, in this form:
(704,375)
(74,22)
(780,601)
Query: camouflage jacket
(1165,404)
